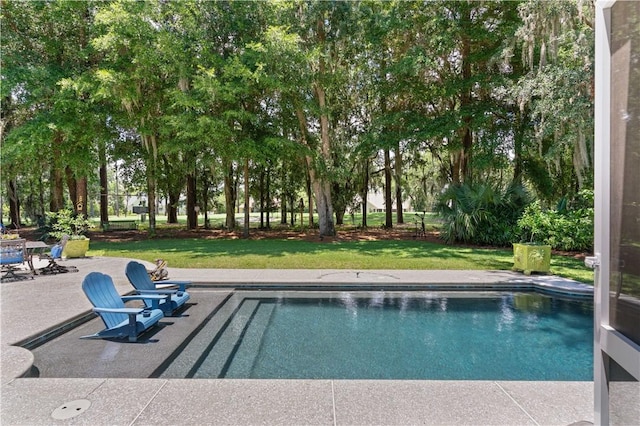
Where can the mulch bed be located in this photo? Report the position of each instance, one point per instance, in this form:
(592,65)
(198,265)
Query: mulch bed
(402,232)
(371,234)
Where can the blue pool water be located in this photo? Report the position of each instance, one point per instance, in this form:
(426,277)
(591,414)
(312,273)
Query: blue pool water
(500,336)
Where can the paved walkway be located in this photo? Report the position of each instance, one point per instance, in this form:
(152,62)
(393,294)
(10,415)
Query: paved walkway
(30,307)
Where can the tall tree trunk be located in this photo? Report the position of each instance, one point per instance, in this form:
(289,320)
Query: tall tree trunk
(319,179)
(310,204)
(268,197)
(56,178)
(151,145)
(364,193)
(14,204)
(192,217)
(340,217)
(230,195)
(151,197)
(175,185)
(398,180)
(56,202)
(104,187)
(41,202)
(245,232)
(283,201)
(322,190)
(321,184)
(388,200)
(465,101)
(81,205)
(518,138)
(204,199)
(467,146)
(172,207)
(261,189)
(71,186)
(292,210)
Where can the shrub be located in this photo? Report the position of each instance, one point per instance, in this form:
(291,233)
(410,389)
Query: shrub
(481,214)
(66,222)
(567,227)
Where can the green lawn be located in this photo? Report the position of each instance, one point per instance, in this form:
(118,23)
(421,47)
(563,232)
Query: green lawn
(296,254)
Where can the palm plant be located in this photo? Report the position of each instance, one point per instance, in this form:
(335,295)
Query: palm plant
(481,214)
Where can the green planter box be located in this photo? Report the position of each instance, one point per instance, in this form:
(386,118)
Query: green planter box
(531,258)
(76,248)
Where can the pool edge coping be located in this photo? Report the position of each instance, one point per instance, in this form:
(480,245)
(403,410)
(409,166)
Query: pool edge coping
(557,286)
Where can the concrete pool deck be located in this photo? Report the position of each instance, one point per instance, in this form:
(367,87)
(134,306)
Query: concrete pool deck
(30,308)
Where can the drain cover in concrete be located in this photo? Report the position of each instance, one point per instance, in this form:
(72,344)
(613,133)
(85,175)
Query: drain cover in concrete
(71,409)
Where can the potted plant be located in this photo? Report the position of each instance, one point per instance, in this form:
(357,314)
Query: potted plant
(531,257)
(10,236)
(75,226)
(535,255)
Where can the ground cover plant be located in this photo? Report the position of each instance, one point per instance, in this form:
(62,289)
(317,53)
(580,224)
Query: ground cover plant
(563,228)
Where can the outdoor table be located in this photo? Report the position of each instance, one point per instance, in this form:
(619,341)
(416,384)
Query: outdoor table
(35,247)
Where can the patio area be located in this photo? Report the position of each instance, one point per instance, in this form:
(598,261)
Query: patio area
(105,399)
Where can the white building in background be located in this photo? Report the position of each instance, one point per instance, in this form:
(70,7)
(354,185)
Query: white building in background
(375,202)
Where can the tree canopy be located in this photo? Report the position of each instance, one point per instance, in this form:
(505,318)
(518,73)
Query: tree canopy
(292,103)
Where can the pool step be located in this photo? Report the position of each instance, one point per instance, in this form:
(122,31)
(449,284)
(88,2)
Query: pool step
(185,362)
(241,364)
(214,361)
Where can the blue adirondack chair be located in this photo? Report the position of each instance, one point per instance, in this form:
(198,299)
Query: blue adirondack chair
(140,279)
(120,321)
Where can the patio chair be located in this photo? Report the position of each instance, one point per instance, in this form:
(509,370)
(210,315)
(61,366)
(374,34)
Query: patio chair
(120,321)
(53,256)
(141,281)
(13,253)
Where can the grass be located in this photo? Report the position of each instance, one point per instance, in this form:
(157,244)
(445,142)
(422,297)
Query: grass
(297,254)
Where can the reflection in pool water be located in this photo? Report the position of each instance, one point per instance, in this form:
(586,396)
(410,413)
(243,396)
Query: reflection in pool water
(435,336)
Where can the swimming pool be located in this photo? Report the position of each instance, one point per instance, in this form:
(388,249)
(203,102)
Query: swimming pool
(392,335)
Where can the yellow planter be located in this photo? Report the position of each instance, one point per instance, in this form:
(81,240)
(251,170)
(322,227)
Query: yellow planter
(531,258)
(76,248)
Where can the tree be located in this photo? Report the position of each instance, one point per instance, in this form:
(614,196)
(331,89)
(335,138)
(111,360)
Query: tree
(293,97)
(557,41)
(307,65)
(54,126)
(132,77)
